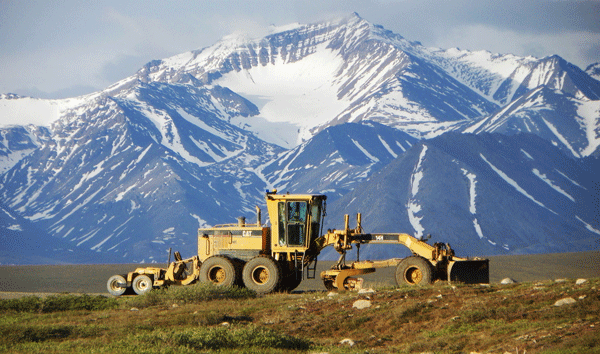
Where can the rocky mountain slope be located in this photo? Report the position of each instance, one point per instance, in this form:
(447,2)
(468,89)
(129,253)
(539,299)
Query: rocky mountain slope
(483,194)
(493,153)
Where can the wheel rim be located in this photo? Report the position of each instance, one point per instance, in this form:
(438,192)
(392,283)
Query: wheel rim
(217,275)
(114,285)
(260,275)
(143,284)
(413,275)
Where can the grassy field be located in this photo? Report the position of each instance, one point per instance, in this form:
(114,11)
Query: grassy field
(91,279)
(439,318)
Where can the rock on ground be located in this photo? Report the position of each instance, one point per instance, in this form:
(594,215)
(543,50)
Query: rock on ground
(347,341)
(368,291)
(507,281)
(565,301)
(361,304)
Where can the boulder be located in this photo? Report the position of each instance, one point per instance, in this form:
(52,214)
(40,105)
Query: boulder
(507,281)
(361,304)
(565,301)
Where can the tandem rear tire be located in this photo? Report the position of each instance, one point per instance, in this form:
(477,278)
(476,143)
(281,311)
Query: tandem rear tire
(414,270)
(262,275)
(219,271)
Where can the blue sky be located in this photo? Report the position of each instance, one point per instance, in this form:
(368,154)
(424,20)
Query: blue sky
(66,48)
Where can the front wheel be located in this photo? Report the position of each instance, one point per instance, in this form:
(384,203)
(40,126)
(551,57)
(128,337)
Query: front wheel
(117,285)
(261,274)
(142,284)
(414,271)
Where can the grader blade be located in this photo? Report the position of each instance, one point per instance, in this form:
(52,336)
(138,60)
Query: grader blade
(344,279)
(472,271)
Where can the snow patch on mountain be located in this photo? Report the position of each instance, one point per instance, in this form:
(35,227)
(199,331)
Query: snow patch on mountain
(472,191)
(588,226)
(388,148)
(570,179)
(590,113)
(292,97)
(12,158)
(472,205)
(552,184)
(527,154)
(486,72)
(364,151)
(560,137)
(413,206)
(17,110)
(593,70)
(514,184)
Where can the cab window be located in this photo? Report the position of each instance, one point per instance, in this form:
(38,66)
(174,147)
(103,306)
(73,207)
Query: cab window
(292,223)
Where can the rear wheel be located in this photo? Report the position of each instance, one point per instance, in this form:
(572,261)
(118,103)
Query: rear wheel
(261,274)
(142,284)
(414,271)
(117,285)
(219,271)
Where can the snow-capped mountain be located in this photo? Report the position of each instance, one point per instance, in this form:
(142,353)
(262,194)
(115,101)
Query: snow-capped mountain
(312,76)
(484,194)
(334,107)
(125,174)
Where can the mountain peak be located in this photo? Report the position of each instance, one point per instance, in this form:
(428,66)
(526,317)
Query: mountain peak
(594,70)
(354,18)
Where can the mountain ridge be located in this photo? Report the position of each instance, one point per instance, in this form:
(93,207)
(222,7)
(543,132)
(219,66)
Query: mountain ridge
(342,107)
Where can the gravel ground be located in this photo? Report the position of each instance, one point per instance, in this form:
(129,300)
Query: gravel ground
(40,280)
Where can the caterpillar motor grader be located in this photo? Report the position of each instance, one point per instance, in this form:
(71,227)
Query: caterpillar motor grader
(277,258)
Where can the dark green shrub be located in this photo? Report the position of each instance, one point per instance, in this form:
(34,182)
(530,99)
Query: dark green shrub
(77,302)
(196,293)
(30,333)
(24,304)
(56,303)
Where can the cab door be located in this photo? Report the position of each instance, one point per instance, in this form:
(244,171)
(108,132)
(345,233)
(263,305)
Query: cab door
(292,223)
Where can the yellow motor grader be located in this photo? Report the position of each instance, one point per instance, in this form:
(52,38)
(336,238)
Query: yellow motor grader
(277,258)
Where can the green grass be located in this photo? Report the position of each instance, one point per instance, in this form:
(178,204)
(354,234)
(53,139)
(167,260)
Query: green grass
(439,318)
(56,303)
(196,293)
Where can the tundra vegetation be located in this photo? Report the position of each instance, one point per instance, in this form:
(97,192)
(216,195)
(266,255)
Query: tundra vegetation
(498,318)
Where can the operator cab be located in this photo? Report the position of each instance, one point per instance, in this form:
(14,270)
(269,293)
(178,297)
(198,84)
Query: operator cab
(298,220)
